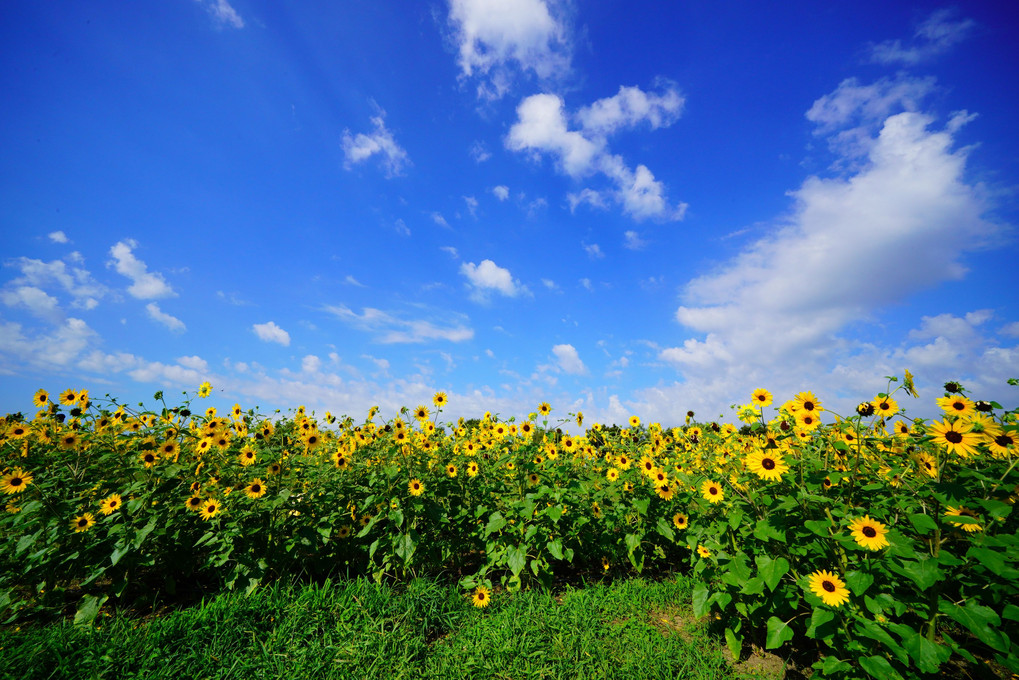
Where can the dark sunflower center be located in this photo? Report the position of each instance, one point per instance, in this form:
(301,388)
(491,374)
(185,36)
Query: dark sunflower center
(958,406)
(713,491)
(869,532)
(1004,440)
(883,406)
(255,488)
(829,586)
(808,406)
(953,437)
(768,464)
(211,508)
(17,481)
(82,522)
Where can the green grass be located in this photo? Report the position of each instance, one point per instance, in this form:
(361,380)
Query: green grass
(630,629)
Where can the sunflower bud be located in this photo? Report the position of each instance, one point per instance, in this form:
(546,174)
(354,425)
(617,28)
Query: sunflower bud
(865,409)
(984,406)
(952,387)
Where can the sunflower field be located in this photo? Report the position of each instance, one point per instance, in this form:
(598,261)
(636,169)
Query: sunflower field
(873,545)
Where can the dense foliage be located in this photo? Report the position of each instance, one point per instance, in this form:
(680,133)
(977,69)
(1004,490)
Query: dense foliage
(885,545)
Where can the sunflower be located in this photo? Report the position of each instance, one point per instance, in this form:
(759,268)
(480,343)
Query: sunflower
(472,469)
(544,409)
(247,455)
(210,509)
(807,420)
(256,489)
(869,533)
(665,491)
(963,512)
(274,469)
(205,389)
(712,492)
(110,504)
(806,401)
(957,405)
(416,487)
(533,479)
(761,398)
(481,597)
(680,521)
(580,419)
(421,413)
(885,407)
(767,465)
(703,552)
(612,474)
(148,458)
(194,503)
(41,398)
(829,587)
(69,441)
(1002,444)
(634,421)
(15,481)
(83,522)
(647,466)
(68,397)
(17,431)
(451,470)
(439,399)
(957,437)
(343,532)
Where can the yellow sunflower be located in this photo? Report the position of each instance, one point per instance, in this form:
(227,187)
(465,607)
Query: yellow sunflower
(110,504)
(712,492)
(41,398)
(83,522)
(15,481)
(761,398)
(869,533)
(885,407)
(767,465)
(806,401)
(481,597)
(680,521)
(416,487)
(956,437)
(544,408)
(957,405)
(210,508)
(829,587)
(439,399)
(963,512)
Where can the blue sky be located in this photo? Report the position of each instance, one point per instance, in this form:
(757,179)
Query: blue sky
(615,207)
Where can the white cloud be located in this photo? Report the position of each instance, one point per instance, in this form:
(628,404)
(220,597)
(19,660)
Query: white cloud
(479,153)
(501,192)
(401,227)
(76,281)
(171,322)
(58,237)
(569,360)
(270,332)
(586,283)
(630,107)
(472,205)
(451,250)
(593,251)
(853,245)
(440,220)
(144,284)
(311,364)
(589,196)
(395,330)
(223,13)
(57,349)
(488,276)
(542,128)
(194,362)
(936,35)
(360,147)
(633,241)
(350,280)
(35,300)
(498,38)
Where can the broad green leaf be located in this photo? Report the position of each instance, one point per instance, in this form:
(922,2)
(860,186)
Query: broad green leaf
(772,570)
(876,632)
(396,517)
(118,553)
(1010,612)
(925,573)
(979,620)
(701,595)
(819,527)
(858,582)
(555,548)
(754,586)
(927,655)
(831,665)
(516,558)
(665,529)
(819,618)
(632,542)
(779,632)
(735,644)
(922,523)
(88,609)
(495,522)
(143,533)
(878,667)
(764,531)
(991,559)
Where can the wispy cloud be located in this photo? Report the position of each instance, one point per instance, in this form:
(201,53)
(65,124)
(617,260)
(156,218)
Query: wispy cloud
(391,329)
(380,142)
(158,315)
(935,36)
(223,13)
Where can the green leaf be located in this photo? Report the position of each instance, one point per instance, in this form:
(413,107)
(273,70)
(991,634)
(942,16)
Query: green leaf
(979,620)
(819,619)
(555,548)
(875,632)
(923,523)
(754,586)
(396,517)
(118,553)
(925,573)
(735,644)
(927,655)
(701,595)
(665,529)
(88,609)
(764,531)
(495,522)
(554,513)
(859,581)
(819,527)
(1010,612)
(779,632)
(404,547)
(991,559)
(143,533)
(878,667)
(24,544)
(831,665)
(517,559)
(772,570)
(633,542)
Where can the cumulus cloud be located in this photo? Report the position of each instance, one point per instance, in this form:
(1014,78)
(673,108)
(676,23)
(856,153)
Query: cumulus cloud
(171,322)
(360,147)
(543,127)
(58,237)
(486,277)
(145,285)
(270,332)
(568,360)
(35,300)
(391,329)
(501,192)
(85,292)
(935,36)
(498,39)
(593,251)
(633,241)
(54,350)
(852,245)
